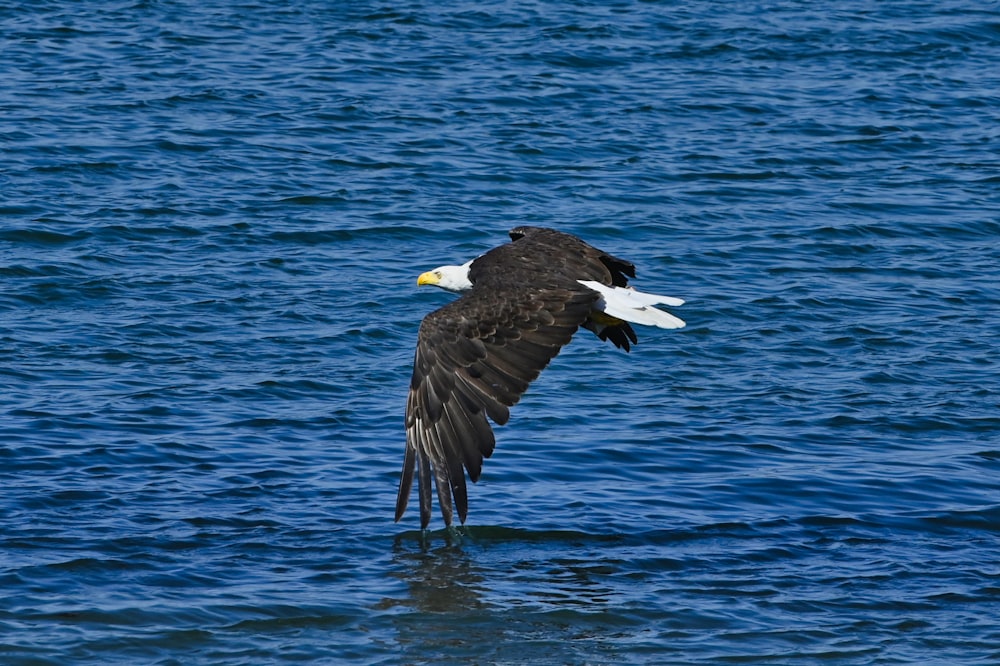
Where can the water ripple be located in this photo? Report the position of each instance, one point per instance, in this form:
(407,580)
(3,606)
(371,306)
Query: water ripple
(211,224)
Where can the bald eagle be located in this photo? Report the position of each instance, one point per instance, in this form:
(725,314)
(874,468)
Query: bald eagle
(521,302)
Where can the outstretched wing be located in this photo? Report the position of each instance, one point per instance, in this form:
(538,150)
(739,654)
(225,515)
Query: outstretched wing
(475,358)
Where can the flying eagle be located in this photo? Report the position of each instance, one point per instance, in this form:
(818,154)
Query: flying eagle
(521,303)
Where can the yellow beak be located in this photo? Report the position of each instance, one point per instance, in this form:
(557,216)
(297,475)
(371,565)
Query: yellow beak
(428,278)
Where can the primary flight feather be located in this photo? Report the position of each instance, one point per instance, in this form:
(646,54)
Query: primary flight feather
(521,303)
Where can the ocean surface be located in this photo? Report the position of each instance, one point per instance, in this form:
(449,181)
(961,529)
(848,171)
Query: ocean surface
(212,215)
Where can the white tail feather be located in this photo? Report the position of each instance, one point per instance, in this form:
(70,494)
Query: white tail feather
(635,306)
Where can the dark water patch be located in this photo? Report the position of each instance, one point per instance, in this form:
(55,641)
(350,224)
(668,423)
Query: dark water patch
(389,234)
(366,164)
(20,211)
(42,237)
(183,147)
(986,519)
(78,166)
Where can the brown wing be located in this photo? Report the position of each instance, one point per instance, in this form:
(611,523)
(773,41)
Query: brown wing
(475,358)
(572,256)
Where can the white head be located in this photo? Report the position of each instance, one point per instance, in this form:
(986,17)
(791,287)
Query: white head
(451,278)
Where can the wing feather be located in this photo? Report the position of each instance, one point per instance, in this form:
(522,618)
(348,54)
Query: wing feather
(475,357)
(405,481)
(424,480)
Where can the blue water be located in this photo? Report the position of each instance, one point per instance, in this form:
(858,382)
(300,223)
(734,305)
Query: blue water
(211,219)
